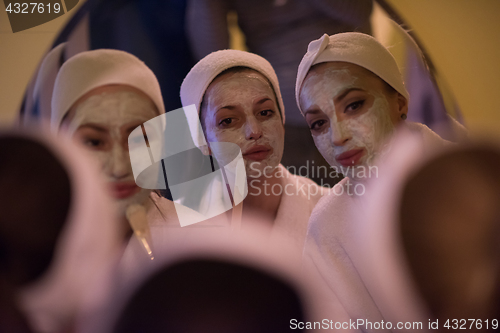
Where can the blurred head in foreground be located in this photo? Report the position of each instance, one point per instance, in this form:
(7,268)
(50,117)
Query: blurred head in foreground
(57,231)
(450,226)
(214,282)
(435,225)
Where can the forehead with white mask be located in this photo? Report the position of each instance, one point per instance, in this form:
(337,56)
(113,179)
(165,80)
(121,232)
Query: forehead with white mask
(102,120)
(351,113)
(240,107)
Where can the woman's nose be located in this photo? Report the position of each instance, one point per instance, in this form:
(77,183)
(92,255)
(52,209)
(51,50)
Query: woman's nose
(340,134)
(120,166)
(253,129)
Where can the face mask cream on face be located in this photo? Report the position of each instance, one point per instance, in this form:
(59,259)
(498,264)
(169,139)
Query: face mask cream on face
(353,139)
(102,122)
(241,108)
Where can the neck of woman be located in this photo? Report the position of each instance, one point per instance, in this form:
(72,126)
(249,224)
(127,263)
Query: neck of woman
(264,196)
(126,230)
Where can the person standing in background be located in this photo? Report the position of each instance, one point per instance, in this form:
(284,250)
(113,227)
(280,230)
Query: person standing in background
(279,31)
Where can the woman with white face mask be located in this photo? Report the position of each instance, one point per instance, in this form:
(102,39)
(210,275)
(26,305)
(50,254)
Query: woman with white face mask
(99,97)
(239,101)
(353,98)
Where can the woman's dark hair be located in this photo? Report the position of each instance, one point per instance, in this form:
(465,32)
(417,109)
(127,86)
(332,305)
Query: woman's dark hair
(450,221)
(35,196)
(35,193)
(208,295)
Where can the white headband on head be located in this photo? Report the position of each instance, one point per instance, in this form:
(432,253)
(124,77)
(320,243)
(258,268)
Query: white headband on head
(91,69)
(204,72)
(356,48)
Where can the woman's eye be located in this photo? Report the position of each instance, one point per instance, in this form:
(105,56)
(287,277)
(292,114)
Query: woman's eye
(266,113)
(317,124)
(226,122)
(354,106)
(94,143)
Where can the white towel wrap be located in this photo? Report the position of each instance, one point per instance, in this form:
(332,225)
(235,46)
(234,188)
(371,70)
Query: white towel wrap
(356,48)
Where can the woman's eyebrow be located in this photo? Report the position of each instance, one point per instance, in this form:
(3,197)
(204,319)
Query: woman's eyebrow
(312,111)
(343,94)
(129,127)
(263,100)
(227,107)
(94,126)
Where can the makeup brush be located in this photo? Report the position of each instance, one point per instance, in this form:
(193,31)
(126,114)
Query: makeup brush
(136,216)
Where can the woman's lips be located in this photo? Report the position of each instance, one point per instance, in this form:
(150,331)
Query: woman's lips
(351,157)
(257,153)
(124,190)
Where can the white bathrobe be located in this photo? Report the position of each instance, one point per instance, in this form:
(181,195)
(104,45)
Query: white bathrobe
(331,242)
(296,206)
